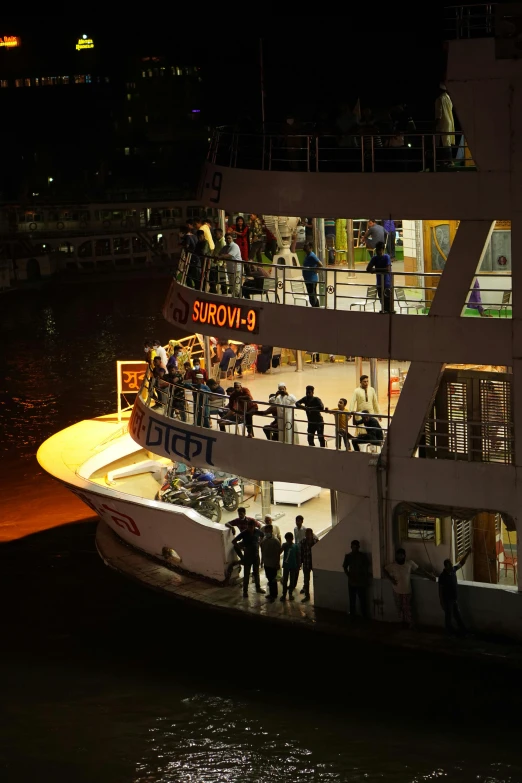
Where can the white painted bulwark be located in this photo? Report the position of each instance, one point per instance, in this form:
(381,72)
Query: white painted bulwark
(460,196)
(442,338)
(73,455)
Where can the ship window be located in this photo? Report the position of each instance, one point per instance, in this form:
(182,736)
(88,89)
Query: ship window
(129,120)
(19,82)
(27,82)
(88,79)
(4,83)
(79,79)
(127,150)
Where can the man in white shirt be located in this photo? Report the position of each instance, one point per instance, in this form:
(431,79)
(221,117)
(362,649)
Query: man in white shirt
(364,399)
(161,352)
(232,254)
(399,574)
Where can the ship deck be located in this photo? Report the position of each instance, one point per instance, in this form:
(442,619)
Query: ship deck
(151,574)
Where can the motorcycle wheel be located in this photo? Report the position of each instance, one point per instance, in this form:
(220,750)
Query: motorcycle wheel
(230,499)
(210,510)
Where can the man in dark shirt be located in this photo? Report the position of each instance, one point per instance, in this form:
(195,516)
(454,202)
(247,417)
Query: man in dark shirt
(448,593)
(373,432)
(241,521)
(246,545)
(356,566)
(228,354)
(313,406)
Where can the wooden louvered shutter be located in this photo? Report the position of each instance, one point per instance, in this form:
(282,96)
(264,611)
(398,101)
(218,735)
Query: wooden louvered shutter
(496,429)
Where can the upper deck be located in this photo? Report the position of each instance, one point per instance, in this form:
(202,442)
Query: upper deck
(363,172)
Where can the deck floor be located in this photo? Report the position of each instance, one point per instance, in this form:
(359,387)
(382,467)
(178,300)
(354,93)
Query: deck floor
(139,567)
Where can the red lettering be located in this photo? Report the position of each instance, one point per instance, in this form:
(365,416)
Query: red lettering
(231,315)
(221,315)
(238,317)
(203,311)
(212,313)
(195,311)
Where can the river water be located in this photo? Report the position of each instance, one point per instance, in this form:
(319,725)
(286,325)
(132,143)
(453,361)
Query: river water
(105,682)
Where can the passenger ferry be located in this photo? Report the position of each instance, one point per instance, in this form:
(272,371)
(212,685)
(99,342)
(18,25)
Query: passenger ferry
(449,381)
(41,239)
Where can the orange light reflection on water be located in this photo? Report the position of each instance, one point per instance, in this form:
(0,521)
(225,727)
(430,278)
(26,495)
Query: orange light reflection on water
(31,502)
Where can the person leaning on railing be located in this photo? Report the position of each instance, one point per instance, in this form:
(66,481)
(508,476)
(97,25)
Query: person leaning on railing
(177,404)
(241,407)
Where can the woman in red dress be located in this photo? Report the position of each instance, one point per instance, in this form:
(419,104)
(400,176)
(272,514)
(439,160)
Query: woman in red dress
(241,232)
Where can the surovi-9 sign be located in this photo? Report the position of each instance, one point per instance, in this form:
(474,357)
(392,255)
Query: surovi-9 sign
(236,317)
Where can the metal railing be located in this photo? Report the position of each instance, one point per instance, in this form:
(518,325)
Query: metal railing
(338,288)
(470,21)
(286,423)
(457,439)
(357,151)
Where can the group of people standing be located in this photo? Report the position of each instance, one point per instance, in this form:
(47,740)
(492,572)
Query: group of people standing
(240,242)
(195,393)
(363,408)
(257,545)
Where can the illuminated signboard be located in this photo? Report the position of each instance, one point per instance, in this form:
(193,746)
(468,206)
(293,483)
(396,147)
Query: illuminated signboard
(10,41)
(84,43)
(240,318)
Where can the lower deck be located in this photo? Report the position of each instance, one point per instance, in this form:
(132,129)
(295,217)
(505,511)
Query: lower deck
(152,574)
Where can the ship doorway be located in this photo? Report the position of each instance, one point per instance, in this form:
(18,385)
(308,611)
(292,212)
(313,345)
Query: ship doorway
(494,545)
(33,269)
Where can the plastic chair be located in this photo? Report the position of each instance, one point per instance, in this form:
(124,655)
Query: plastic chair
(509,561)
(503,306)
(269,284)
(369,299)
(299,293)
(405,304)
(275,352)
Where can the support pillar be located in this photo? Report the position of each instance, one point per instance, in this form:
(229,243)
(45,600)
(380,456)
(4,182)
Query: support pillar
(206,352)
(374,376)
(299,361)
(266,507)
(350,252)
(334,509)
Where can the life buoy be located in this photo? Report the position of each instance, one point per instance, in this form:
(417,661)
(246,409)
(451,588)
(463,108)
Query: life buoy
(60,225)
(32,226)
(106,223)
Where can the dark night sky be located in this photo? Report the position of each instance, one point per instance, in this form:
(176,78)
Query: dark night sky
(313,60)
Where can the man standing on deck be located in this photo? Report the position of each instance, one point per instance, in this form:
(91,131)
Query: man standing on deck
(161,352)
(357,568)
(232,255)
(306,559)
(246,545)
(271,552)
(241,521)
(399,574)
(448,593)
(374,233)
(364,399)
(203,224)
(313,406)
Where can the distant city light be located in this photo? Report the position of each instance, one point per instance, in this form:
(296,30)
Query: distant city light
(196,111)
(10,41)
(409,145)
(84,43)
(50,179)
